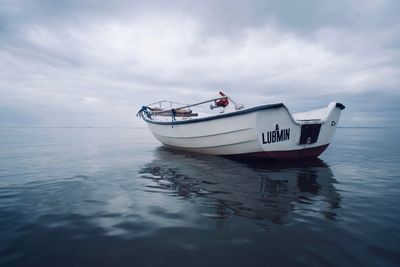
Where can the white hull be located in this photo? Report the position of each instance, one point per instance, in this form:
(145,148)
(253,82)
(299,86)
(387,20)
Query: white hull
(263,131)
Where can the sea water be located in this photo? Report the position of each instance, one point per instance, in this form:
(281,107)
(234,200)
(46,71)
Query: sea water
(116,197)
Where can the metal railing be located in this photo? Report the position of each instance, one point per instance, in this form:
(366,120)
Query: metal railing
(164,111)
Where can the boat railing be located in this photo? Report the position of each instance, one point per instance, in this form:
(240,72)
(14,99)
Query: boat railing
(184,106)
(165,103)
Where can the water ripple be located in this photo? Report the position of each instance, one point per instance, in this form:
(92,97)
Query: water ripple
(115,198)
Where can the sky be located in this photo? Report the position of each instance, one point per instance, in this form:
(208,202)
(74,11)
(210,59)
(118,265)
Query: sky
(81,63)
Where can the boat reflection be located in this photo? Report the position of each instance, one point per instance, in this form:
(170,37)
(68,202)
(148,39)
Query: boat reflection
(248,189)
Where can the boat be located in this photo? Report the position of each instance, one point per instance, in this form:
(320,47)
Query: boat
(222,126)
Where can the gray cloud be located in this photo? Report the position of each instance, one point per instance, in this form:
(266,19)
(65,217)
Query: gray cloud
(81,63)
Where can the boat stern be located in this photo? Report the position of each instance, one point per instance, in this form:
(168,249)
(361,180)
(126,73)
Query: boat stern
(286,136)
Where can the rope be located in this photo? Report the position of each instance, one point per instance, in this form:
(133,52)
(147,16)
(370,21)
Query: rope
(144,110)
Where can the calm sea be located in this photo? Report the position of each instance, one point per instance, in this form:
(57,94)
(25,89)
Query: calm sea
(115,197)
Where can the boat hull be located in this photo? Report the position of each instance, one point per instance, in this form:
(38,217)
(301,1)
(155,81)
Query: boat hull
(268,131)
(287,155)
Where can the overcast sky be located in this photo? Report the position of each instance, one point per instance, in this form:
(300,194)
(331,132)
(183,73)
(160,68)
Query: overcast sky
(94,63)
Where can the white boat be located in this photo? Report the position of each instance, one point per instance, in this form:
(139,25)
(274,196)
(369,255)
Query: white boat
(265,131)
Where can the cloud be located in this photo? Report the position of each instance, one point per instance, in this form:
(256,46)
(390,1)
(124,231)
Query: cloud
(93,63)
